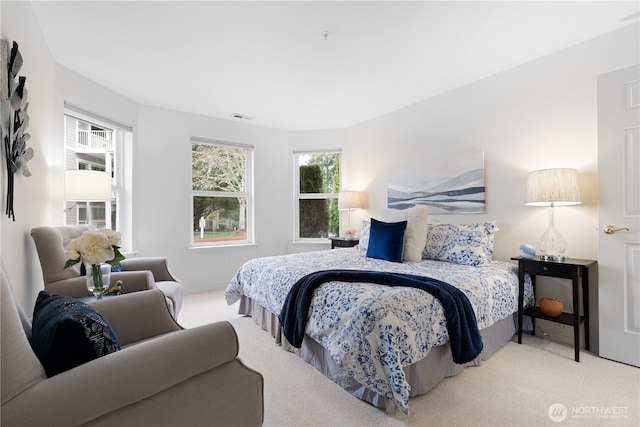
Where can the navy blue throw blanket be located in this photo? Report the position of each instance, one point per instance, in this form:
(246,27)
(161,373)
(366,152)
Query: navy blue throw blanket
(464,336)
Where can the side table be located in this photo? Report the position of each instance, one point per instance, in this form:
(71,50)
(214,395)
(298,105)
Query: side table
(339,242)
(576,270)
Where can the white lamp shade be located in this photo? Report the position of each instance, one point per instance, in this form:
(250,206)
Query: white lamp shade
(553,186)
(87,185)
(348,200)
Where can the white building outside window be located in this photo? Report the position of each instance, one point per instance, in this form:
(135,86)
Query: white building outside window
(96,143)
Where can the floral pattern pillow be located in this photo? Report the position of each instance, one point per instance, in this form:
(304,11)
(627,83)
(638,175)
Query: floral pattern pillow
(363,244)
(466,244)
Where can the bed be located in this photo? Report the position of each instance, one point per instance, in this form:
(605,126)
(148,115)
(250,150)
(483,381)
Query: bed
(382,344)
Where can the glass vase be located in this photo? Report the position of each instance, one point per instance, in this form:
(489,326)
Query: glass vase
(98,278)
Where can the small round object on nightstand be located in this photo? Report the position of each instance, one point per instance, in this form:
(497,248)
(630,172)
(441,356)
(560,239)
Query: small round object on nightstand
(527,251)
(550,306)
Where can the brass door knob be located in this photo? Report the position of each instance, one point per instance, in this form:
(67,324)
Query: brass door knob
(610,229)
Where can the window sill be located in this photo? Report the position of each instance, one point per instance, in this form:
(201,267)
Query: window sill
(232,245)
(326,241)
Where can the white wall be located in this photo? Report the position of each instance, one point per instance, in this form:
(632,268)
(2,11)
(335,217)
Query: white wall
(36,198)
(161,156)
(162,185)
(535,116)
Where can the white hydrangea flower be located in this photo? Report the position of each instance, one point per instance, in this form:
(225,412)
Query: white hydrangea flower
(73,249)
(114,236)
(95,247)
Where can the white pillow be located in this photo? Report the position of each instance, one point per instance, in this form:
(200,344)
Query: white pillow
(415,237)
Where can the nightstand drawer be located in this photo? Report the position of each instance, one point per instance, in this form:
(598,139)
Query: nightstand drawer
(549,269)
(343,243)
(337,242)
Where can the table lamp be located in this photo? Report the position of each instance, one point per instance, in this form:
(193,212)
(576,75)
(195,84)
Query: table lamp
(349,200)
(553,187)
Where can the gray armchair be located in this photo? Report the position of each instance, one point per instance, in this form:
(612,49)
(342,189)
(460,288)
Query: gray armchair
(163,376)
(137,274)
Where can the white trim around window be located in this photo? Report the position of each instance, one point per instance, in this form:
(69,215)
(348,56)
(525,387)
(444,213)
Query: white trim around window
(299,197)
(224,204)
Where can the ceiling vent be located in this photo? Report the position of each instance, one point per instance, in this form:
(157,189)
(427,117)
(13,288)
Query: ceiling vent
(241,116)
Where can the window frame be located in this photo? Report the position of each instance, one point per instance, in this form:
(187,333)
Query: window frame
(122,135)
(247,194)
(297,196)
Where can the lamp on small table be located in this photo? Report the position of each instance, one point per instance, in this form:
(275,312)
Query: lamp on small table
(553,187)
(349,200)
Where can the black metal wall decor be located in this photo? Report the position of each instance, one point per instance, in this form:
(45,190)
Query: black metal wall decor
(14,120)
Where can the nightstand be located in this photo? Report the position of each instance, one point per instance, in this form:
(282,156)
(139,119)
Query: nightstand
(339,242)
(576,270)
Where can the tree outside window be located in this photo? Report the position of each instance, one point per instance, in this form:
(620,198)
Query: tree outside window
(318,184)
(221,193)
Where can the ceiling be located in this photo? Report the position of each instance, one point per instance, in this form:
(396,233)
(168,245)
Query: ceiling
(271,61)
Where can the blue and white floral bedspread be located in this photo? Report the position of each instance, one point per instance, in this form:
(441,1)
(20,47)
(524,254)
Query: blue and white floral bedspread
(372,331)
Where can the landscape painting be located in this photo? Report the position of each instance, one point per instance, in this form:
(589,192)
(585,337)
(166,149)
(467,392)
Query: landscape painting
(451,186)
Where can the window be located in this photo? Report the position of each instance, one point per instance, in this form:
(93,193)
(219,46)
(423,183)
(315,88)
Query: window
(317,178)
(221,188)
(95,143)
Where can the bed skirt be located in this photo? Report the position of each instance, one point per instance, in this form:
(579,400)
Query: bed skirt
(422,375)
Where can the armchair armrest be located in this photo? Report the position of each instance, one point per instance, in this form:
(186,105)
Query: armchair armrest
(134,281)
(157,265)
(137,316)
(76,287)
(123,378)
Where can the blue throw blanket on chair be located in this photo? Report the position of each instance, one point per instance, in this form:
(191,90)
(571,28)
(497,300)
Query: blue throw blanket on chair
(464,336)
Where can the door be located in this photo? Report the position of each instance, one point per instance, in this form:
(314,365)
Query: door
(619,215)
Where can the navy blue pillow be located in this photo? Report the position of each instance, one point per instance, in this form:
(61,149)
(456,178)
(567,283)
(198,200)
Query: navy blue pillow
(386,240)
(67,333)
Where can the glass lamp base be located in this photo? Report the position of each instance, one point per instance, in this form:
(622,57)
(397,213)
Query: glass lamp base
(552,244)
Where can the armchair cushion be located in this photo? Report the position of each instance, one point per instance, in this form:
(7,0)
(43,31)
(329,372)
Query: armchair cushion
(67,333)
(137,316)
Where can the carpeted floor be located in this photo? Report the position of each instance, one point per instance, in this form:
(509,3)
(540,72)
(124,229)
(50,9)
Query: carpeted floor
(519,386)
